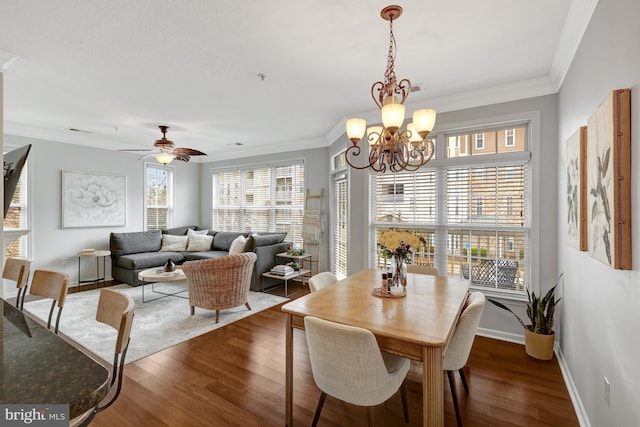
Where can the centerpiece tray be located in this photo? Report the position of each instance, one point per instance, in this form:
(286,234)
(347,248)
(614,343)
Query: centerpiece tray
(377,292)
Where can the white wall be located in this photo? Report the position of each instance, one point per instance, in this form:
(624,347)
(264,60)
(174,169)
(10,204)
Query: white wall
(601,316)
(495,322)
(55,248)
(316,163)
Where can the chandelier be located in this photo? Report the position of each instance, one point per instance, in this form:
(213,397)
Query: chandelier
(391,147)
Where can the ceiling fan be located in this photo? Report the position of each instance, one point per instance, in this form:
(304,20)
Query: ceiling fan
(165,152)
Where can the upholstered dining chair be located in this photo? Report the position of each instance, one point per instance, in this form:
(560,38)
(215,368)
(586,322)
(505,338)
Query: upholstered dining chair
(17,270)
(51,284)
(116,310)
(321,280)
(422,269)
(347,364)
(461,342)
(220,283)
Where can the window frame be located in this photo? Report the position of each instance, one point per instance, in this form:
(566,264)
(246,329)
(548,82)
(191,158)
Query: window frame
(170,193)
(27,172)
(339,174)
(530,153)
(479,140)
(513,137)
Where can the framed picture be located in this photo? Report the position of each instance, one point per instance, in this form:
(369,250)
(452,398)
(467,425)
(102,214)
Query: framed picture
(577,189)
(609,181)
(93,200)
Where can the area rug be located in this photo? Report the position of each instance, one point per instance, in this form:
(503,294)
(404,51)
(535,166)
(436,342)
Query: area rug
(157,325)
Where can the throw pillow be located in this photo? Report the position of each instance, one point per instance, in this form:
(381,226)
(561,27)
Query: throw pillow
(172,243)
(237,246)
(199,243)
(192,232)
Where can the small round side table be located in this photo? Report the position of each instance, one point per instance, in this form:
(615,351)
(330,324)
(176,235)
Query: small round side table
(97,255)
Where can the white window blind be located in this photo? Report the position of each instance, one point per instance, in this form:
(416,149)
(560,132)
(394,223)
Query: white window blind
(158,181)
(340,225)
(263,198)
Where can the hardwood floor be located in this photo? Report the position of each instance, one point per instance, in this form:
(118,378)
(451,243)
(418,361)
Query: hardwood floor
(234,376)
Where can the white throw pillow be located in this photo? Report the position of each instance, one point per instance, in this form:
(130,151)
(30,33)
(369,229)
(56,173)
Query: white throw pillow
(237,246)
(172,243)
(199,243)
(192,232)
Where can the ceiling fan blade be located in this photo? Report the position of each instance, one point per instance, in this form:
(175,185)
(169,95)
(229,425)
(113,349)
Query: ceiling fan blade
(182,157)
(136,149)
(146,156)
(188,152)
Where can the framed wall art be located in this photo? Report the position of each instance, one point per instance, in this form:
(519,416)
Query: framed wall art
(609,181)
(93,200)
(576,147)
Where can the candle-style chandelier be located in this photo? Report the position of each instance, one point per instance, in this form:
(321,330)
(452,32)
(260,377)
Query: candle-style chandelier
(390,147)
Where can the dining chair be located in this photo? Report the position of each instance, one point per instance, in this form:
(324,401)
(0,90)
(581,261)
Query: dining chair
(321,280)
(17,270)
(116,310)
(51,284)
(347,364)
(422,269)
(459,347)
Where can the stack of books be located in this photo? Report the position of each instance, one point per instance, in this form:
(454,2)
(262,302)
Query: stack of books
(282,270)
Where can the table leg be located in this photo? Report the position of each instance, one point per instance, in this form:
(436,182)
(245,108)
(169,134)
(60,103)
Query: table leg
(432,387)
(289,374)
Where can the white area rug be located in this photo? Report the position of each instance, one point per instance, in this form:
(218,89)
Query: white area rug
(157,324)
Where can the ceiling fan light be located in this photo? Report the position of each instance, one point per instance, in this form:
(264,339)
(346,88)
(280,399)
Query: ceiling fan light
(164,158)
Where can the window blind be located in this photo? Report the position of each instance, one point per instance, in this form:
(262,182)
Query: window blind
(158,190)
(340,225)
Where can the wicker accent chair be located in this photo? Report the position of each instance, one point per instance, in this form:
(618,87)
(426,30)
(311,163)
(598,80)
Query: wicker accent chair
(422,269)
(220,283)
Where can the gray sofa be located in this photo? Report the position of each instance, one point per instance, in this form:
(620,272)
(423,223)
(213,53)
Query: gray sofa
(136,251)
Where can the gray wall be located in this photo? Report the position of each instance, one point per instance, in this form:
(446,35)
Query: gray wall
(600,315)
(494,322)
(316,178)
(55,248)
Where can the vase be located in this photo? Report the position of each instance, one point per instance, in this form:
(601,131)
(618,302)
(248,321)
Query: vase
(169,266)
(399,268)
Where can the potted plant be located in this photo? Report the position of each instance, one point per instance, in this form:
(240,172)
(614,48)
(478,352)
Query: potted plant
(538,335)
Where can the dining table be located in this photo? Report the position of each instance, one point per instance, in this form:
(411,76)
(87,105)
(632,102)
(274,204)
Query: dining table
(39,367)
(417,325)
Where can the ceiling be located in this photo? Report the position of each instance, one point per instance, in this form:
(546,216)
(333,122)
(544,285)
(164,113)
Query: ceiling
(115,70)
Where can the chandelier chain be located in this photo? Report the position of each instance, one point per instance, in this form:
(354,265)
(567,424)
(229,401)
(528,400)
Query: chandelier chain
(390,74)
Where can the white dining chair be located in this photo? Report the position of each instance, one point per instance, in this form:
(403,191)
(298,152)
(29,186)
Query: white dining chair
(347,364)
(321,280)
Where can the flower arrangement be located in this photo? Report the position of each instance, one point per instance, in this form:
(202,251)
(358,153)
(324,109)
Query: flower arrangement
(296,252)
(398,244)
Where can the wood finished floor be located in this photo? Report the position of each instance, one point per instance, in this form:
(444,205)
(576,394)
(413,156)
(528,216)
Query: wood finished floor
(234,376)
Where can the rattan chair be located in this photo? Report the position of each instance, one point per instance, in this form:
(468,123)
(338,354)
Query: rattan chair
(220,283)
(17,270)
(347,364)
(116,310)
(51,284)
(461,342)
(321,280)
(422,269)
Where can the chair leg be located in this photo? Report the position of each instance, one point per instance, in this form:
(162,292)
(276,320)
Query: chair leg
(53,305)
(464,381)
(24,293)
(453,396)
(247,305)
(58,319)
(18,299)
(405,407)
(217,315)
(370,416)
(316,416)
(193,310)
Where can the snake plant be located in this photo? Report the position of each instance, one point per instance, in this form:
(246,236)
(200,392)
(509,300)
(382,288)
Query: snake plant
(540,311)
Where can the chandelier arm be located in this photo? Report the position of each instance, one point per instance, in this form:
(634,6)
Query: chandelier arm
(354,151)
(379,88)
(403,88)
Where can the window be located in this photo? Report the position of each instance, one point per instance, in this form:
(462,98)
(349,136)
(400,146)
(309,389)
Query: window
(261,199)
(17,217)
(340,225)
(469,212)
(510,137)
(479,141)
(158,196)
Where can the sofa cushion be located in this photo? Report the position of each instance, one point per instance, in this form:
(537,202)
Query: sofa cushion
(178,231)
(194,256)
(148,260)
(269,239)
(199,243)
(173,243)
(223,239)
(135,242)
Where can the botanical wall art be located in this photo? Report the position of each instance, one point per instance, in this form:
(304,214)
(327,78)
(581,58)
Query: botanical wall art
(93,200)
(577,189)
(609,181)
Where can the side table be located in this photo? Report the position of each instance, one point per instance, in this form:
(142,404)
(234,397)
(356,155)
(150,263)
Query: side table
(301,273)
(96,255)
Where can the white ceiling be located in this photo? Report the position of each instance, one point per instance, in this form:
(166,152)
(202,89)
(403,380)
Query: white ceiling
(119,68)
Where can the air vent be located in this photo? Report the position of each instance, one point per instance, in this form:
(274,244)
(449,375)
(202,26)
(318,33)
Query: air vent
(417,88)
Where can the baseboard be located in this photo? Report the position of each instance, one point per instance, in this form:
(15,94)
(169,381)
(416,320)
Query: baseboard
(581,413)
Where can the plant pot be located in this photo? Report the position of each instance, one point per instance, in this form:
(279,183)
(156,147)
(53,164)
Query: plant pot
(539,346)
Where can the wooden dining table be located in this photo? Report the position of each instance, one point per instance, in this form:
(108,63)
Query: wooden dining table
(417,326)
